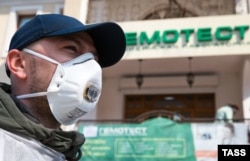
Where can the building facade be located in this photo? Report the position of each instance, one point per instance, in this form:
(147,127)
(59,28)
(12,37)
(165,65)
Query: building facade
(185,56)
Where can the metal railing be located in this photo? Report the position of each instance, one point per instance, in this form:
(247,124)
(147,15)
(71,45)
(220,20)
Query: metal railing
(159,113)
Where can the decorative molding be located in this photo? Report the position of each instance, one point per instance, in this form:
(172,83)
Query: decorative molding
(171,81)
(28,2)
(131,10)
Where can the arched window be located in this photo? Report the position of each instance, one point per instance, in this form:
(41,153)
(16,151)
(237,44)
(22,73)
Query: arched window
(172,10)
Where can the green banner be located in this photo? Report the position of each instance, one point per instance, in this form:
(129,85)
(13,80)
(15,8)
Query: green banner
(158,139)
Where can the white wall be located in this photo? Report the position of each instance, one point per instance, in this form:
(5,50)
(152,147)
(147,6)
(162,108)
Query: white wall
(111,102)
(229,91)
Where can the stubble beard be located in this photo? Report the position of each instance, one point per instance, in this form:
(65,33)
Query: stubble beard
(39,105)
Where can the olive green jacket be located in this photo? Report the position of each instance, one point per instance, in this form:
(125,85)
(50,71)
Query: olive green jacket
(14,121)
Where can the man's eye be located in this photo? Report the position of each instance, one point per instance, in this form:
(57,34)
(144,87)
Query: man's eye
(72,48)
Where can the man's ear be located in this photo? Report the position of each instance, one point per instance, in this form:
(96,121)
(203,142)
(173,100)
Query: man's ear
(16,63)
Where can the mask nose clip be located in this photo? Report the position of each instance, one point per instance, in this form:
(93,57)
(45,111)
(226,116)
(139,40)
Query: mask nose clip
(91,93)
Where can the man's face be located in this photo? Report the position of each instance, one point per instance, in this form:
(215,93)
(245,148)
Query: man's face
(40,72)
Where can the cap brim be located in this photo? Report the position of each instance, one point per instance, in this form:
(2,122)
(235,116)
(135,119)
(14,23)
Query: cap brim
(108,37)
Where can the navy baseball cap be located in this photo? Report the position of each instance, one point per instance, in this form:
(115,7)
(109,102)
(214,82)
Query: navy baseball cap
(109,38)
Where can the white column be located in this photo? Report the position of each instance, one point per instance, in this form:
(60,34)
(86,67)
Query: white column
(77,9)
(246,89)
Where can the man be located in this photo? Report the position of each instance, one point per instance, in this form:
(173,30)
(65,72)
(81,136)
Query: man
(54,64)
(226,113)
(228,134)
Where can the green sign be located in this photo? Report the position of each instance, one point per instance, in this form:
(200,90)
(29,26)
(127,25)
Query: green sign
(154,140)
(222,33)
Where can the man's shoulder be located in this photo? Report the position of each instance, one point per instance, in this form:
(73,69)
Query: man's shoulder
(14,147)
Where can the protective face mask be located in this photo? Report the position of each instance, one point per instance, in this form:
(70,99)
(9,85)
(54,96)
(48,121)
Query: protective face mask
(74,89)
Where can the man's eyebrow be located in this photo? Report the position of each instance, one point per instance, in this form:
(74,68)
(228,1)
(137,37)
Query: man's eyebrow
(79,42)
(72,38)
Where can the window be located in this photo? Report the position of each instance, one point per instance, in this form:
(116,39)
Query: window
(22,19)
(59,8)
(187,105)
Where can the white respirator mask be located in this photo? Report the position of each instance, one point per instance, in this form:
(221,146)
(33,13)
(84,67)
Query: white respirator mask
(74,89)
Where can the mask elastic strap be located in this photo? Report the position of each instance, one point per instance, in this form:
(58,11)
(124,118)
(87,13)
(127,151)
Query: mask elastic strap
(31,52)
(31,95)
(38,94)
